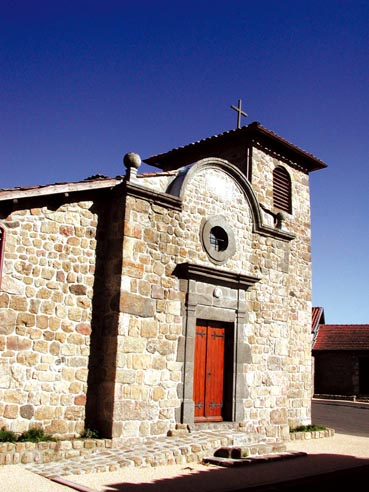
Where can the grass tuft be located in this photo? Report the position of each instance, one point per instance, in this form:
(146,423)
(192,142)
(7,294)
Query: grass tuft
(308,428)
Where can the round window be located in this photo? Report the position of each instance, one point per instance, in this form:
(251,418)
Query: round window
(217,239)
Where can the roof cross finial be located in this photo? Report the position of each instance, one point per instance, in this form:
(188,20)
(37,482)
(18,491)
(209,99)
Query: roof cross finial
(239,111)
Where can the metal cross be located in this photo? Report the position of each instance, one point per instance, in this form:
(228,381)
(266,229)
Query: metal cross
(239,111)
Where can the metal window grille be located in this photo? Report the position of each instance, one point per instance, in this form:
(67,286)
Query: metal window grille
(218,239)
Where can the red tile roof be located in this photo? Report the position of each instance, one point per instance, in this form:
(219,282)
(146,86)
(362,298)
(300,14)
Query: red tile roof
(255,132)
(342,337)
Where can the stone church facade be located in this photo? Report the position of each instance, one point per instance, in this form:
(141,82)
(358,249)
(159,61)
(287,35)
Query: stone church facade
(130,305)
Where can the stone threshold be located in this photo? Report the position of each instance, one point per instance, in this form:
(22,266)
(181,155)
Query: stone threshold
(252,460)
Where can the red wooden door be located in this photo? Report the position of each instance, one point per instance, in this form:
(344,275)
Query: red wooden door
(209,371)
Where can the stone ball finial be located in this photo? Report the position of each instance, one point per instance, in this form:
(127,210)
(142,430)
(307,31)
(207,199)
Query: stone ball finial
(132,160)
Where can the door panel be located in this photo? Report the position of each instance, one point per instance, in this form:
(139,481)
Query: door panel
(209,371)
(199,370)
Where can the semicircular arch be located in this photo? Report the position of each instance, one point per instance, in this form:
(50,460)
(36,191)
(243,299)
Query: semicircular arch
(178,186)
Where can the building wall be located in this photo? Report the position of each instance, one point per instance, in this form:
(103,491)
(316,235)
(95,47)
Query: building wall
(290,305)
(97,328)
(45,317)
(149,325)
(275,331)
(336,373)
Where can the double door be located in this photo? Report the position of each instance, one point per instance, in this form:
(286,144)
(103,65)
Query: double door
(209,371)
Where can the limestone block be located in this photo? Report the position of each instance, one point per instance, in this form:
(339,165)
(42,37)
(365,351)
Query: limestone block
(136,305)
(74,413)
(54,348)
(41,346)
(47,307)
(169,403)
(84,329)
(11,411)
(75,314)
(49,227)
(149,328)
(159,428)
(125,376)
(133,268)
(141,361)
(5,374)
(278,416)
(57,426)
(159,393)
(151,377)
(78,289)
(41,321)
(7,321)
(83,303)
(29,359)
(76,339)
(281,347)
(82,374)
(132,345)
(133,230)
(78,362)
(80,400)
(27,411)
(18,343)
(129,410)
(163,347)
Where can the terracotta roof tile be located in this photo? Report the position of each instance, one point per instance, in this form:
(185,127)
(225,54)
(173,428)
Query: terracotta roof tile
(253,131)
(342,337)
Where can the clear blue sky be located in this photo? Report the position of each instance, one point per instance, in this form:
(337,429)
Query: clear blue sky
(84,82)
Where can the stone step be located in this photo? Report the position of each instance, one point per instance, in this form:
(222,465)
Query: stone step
(261,449)
(252,460)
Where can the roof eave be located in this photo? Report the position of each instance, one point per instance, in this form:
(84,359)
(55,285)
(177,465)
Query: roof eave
(254,131)
(58,188)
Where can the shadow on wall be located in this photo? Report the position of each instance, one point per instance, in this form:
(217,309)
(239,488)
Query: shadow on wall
(105,314)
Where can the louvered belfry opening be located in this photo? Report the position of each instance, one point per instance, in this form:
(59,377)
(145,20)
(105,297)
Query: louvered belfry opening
(282,189)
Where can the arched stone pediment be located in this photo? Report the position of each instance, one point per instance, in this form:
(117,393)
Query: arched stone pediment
(178,185)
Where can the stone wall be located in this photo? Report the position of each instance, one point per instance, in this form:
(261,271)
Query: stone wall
(152,324)
(45,317)
(49,451)
(287,309)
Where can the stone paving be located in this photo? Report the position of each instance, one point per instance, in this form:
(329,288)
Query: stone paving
(190,448)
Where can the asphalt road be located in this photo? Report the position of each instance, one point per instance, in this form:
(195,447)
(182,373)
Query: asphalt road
(344,417)
(357,476)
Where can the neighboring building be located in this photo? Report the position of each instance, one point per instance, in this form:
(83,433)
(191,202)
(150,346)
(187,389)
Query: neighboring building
(132,304)
(318,318)
(341,359)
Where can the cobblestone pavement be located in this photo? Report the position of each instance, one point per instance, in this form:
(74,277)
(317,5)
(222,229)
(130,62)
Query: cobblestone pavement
(191,448)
